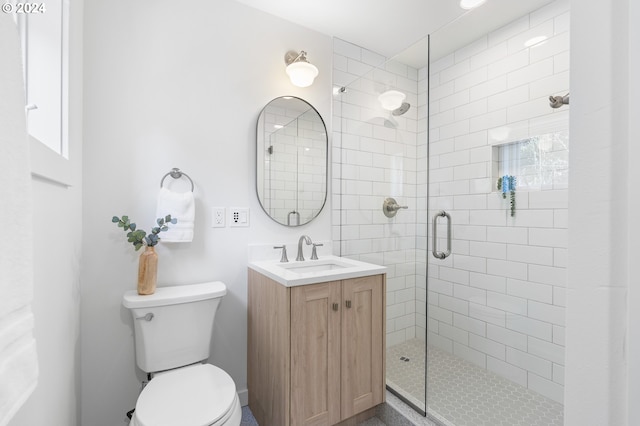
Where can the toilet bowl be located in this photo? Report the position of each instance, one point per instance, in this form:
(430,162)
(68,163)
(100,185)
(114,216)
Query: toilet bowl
(197,395)
(173,331)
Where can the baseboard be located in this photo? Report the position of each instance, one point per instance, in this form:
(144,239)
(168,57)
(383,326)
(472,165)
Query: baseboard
(243,395)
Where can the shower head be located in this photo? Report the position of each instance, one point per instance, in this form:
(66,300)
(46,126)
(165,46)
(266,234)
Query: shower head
(558,101)
(402,109)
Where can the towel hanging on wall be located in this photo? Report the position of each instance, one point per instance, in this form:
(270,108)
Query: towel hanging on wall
(182,206)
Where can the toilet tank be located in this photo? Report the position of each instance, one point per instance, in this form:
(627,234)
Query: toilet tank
(173,327)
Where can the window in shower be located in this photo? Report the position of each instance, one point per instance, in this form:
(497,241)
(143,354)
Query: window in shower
(539,163)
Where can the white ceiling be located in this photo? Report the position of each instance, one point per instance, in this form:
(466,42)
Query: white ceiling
(390,27)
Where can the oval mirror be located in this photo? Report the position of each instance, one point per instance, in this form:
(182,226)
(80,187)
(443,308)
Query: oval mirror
(291,169)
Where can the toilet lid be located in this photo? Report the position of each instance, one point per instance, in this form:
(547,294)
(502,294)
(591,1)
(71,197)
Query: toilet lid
(197,395)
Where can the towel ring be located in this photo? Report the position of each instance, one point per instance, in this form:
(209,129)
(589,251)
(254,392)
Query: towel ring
(177,174)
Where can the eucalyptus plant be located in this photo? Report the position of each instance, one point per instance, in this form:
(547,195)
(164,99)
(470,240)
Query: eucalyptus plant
(139,237)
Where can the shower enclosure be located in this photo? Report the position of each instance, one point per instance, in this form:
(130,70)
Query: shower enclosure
(477,262)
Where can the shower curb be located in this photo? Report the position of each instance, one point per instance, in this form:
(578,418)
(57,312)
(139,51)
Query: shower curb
(397,413)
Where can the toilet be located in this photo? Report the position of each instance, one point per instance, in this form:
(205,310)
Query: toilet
(173,330)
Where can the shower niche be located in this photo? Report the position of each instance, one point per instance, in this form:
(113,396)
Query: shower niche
(538,163)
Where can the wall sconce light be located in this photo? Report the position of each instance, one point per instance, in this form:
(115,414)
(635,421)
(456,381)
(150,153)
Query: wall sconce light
(300,71)
(391,99)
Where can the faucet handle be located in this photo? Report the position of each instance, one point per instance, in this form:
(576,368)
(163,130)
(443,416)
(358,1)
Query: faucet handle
(284,258)
(314,253)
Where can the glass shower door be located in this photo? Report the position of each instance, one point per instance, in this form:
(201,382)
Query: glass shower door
(497,203)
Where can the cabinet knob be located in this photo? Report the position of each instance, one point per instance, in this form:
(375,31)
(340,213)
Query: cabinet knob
(348,303)
(335,306)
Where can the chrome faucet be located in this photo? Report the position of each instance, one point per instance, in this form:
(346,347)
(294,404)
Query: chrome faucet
(307,240)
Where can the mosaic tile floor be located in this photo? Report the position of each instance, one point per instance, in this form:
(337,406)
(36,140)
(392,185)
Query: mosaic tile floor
(462,394)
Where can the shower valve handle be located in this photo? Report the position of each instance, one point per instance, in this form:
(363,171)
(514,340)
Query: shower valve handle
(390,207)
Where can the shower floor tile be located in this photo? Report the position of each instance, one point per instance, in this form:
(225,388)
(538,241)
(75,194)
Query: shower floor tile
(463,394)
(407,377)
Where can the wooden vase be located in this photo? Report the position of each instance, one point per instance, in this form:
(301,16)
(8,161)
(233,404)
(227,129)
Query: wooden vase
(148,271)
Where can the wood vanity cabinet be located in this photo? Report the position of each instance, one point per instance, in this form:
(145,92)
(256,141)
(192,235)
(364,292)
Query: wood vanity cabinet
(315,352)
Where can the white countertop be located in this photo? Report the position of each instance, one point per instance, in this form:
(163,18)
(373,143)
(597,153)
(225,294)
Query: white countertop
(327,268)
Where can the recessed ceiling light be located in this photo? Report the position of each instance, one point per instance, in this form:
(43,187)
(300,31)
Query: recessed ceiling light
(278,126)
(535,41)
(470,4)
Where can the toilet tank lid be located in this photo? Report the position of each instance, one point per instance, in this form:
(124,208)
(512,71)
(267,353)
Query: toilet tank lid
(175,294)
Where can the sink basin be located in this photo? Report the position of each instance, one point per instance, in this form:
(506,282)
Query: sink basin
(315,266)
(329,268)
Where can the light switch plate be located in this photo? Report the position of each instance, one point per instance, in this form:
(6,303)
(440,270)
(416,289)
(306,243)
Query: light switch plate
(238,217)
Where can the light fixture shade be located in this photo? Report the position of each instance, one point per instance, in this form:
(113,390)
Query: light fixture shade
(302,73)
(391,99)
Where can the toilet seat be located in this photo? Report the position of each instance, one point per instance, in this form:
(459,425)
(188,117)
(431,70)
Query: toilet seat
(197,395)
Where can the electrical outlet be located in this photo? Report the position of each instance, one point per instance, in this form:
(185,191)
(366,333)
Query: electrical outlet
(218,217)
(238,216)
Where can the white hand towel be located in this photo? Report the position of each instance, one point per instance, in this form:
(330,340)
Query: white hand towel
(18,356)
(182,206)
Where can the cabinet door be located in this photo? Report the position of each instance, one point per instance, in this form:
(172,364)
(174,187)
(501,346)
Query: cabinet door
(315,354)
(362,344)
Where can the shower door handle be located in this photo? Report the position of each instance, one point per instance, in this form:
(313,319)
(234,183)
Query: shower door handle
(434,235)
